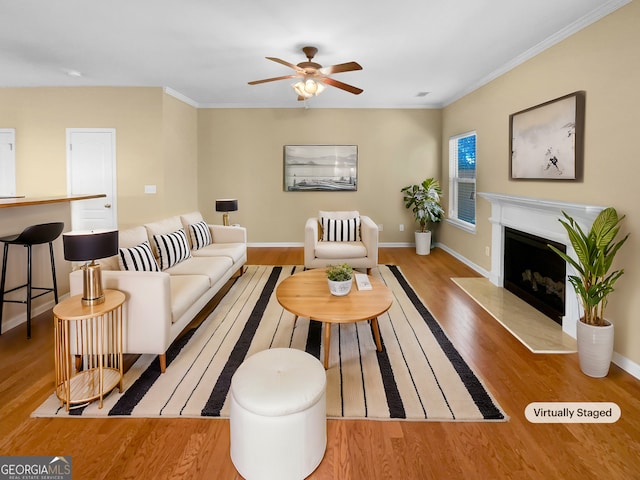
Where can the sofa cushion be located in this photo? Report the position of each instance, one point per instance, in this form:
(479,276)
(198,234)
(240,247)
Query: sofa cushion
(161,227)
(185,291)
(127,238)
(212,267)
(200,235)
(172,248)
(338,214)
(235,251)
(340,230)
(190,218)
(334,250)
(139,258)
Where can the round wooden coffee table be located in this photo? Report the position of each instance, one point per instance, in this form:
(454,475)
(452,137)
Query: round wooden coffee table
(306,294)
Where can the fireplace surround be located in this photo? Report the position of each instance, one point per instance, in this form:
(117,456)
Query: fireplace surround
(537,217)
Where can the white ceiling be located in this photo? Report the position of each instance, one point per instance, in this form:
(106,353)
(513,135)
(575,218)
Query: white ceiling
(207,51)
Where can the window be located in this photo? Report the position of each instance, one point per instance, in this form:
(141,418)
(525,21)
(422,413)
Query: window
(462,180)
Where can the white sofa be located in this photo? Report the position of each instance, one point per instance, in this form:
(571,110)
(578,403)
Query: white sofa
(322,249)
(160,304)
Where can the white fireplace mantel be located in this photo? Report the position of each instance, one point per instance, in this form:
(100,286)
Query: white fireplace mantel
(537,217)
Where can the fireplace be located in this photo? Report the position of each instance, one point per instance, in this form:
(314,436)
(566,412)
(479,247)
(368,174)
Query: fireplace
(538,217)
(535,273)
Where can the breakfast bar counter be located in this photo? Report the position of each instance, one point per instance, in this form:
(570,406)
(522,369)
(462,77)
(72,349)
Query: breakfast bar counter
(13,220)
(8,202)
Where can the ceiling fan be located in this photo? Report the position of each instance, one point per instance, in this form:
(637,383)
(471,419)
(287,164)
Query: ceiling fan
(313,76)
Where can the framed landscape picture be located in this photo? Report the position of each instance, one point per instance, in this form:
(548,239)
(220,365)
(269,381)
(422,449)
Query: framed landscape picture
(546,141)
(326,168)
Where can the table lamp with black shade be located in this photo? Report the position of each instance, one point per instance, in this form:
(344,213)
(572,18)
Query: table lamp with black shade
(89,247)
(226,205)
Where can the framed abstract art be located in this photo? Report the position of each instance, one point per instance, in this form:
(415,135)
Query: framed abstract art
(546,141)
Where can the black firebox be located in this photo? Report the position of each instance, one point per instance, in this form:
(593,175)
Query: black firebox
(535,273)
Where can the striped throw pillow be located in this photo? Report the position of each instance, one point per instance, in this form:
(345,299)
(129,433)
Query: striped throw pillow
(200,235)
(340,230)
(172,248)
(138,258)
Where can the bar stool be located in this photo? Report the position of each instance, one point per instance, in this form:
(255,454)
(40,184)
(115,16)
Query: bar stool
(33,235)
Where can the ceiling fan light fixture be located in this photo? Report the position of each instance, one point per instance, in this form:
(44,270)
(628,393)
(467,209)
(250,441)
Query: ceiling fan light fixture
(308,88)
(312,78)
(300,90)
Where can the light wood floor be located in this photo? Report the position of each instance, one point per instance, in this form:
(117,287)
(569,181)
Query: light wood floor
(199,449)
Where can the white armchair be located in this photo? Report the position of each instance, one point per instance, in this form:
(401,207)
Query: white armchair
(346,237)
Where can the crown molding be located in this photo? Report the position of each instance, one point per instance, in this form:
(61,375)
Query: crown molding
(560,35)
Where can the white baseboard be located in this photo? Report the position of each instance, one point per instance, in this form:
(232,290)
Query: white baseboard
(466,261)
(17,320)
(627,365)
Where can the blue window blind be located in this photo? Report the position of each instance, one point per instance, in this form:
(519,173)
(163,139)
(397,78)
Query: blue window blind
(462,161)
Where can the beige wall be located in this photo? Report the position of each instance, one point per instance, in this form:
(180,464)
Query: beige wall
(180,155)
(155,141)
(241,156)
(602,60)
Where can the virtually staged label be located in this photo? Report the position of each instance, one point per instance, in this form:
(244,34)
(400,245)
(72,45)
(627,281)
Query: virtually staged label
(572,412)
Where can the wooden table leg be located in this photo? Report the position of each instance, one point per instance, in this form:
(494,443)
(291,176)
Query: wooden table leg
(376,333)
(327,343)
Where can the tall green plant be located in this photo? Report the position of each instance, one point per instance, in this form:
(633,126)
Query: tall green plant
(595,252)
(424,201)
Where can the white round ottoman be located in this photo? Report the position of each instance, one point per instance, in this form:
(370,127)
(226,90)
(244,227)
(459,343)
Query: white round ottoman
(278,415)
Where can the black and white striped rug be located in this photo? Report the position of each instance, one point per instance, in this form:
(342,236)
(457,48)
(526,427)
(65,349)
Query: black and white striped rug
(419,375)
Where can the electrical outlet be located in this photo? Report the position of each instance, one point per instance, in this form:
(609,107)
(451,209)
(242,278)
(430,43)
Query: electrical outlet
(380,227)
(487,251)
(149,189)
(402,227)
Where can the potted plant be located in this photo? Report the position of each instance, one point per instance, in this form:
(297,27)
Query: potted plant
(339,278)
(593,282)
(424,201)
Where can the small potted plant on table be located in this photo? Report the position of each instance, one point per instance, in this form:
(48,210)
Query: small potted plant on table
(339,278)
(424,201)
(595,251)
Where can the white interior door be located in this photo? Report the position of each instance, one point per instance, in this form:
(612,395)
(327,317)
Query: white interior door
(7,162)
(91,169)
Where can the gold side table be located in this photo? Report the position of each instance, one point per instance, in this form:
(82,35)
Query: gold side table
(88,348)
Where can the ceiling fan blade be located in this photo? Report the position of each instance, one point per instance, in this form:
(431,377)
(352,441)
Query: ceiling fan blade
(342,86)
(286,64)
(341,67)
(257,82)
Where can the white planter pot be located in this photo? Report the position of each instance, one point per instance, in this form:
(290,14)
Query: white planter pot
(595,349)
(339,289)
(423,243)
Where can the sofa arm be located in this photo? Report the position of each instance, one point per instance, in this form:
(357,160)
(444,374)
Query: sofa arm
(310,240)
(146,311)
(369,236)
(228,234)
